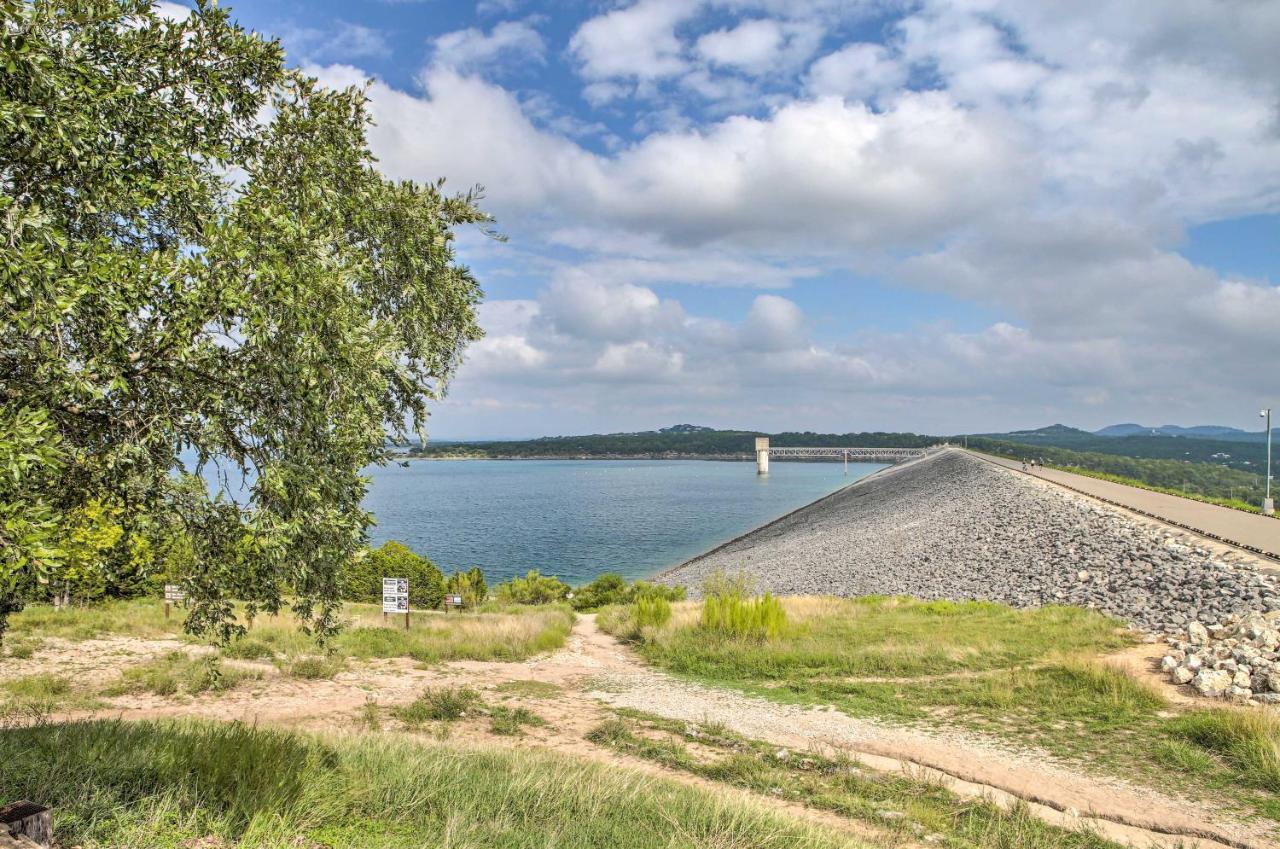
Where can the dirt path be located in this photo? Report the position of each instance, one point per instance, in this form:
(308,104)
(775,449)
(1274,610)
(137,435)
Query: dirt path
(594,673)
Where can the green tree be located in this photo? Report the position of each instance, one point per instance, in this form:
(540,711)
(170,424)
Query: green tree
(362,580)
(470,585)
(533,588)
(199,258)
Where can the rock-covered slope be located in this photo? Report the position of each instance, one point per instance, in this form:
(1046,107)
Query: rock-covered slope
(954,526)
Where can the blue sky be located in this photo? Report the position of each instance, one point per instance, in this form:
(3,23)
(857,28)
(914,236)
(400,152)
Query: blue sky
(840,214)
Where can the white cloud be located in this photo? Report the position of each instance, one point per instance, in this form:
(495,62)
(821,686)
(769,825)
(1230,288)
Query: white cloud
(751,45)
(172,11)
(773,324)
(472,48)
(858,71)
(343,42)
(636,42)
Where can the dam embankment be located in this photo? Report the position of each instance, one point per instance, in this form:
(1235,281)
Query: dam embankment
(951,526)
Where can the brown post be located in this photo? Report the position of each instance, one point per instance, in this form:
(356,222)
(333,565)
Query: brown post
(166,610)
(28,820)
(406,619)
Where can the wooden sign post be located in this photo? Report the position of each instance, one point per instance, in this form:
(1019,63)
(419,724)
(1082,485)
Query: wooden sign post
(172,593)
(395,598)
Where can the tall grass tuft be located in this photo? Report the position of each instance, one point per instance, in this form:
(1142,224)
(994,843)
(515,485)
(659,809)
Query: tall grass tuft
(761,618)
(1249,740)
(652,611)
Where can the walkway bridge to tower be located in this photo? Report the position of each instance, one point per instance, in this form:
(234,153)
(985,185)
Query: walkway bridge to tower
(857,455)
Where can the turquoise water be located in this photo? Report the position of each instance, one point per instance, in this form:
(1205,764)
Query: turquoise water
(578,518)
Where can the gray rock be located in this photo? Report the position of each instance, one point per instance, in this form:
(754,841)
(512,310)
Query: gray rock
(1212,683)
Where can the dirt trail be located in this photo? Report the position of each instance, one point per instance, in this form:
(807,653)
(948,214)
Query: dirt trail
(595,673)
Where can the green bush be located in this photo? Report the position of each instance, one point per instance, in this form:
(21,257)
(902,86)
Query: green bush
(652,611)
(440,704)
(362,579)
(759,618)
(470,585)
(533,588)
(611,588)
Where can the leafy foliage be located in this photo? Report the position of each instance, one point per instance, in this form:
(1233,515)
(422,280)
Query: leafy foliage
(362,578)
(199,259)
(612,588)
(470,585)
(533,588)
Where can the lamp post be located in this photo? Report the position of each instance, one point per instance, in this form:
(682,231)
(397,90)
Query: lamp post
(1268,506)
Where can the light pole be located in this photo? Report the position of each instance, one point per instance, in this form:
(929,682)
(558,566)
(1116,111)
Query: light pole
(1268,506)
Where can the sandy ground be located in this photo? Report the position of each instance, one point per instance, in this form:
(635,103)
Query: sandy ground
(595,674)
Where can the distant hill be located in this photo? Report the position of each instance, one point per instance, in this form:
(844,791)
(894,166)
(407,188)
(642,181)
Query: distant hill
(677,441)
(1233,434)
(1245,452)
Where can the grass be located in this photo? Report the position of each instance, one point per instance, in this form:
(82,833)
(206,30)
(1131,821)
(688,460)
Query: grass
(832,639)
(142,618)
(512,721)
(530,689)
(910,809)
(178,672)
(1031,677)
(315,667)
(506,633)
(439,704)
(150,785)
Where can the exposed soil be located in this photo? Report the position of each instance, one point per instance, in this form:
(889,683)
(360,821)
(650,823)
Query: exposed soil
(595,673)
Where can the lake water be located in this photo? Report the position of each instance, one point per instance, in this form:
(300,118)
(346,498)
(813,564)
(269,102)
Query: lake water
(579,518)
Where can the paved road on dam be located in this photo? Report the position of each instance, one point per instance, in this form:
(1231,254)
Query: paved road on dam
(1248,530)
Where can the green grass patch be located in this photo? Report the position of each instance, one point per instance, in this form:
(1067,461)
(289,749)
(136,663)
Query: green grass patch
(178,672)
(1248,740)
(1029,677)
(142,618)
(512,721)
(439,704)
(315,667)
(496,632)
(148,785)
(881,636)
(909,810)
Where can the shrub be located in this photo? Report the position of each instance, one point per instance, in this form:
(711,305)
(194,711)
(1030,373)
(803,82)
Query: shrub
(362,578)
(533,588)
(652,611)
(722,583)
(759,618)
(611,588)
(511,721)
(470,585)
(315,667)
(442,704)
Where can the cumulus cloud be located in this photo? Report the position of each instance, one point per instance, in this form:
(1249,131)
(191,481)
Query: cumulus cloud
(342,42)
(1038,161)
(472,48)
(858,71)
(637,42)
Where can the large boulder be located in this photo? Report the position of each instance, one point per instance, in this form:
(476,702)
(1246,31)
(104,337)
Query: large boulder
(1212,683)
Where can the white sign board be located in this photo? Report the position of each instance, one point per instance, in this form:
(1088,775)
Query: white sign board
(173,592)
(395,595)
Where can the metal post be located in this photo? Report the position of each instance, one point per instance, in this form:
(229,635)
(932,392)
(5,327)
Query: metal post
(846,464)
(1268,506)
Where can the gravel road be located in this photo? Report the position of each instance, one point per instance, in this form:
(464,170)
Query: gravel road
(956,527)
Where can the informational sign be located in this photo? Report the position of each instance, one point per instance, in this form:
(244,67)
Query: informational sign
(395,595)
(174,592)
